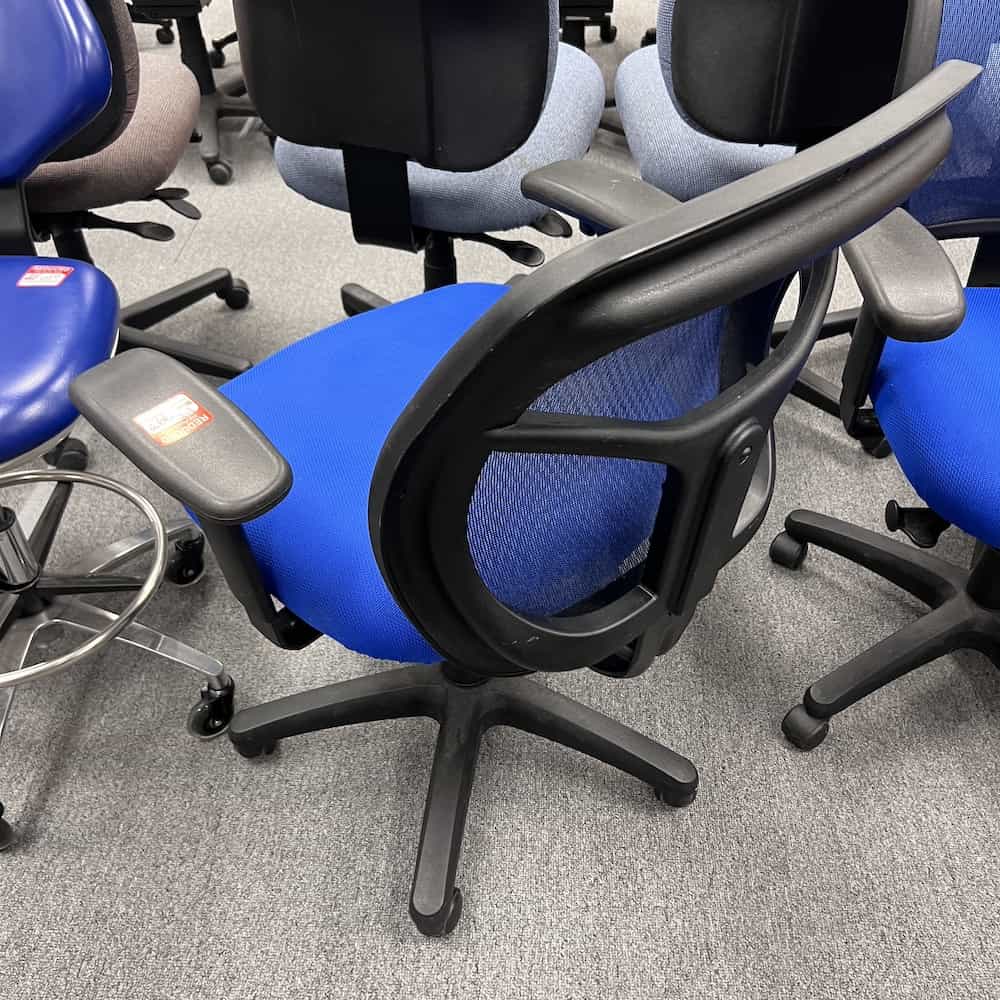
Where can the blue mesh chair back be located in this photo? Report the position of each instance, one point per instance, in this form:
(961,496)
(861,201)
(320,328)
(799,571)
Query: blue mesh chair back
(967,185)
(548,532)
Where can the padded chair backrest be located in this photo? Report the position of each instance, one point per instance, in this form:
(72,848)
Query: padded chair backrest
(790,72)
(55,76)
(116,26)
(457,86)
(967,187)
(565,486)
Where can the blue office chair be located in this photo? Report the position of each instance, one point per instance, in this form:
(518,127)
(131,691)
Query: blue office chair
(324,77)
(60,317)
(678,154)
(494,480)
(936,401)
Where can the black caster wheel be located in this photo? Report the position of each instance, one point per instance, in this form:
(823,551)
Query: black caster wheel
(672,797)
(893,516)
(787,551)
(649,38)
(165,35)
(70,456)
(217,58)
(253,748)
(237,295)
(877,447)
(210,717)
(609,32)
(187,564)
(803,730)
(220,172)
(442,923)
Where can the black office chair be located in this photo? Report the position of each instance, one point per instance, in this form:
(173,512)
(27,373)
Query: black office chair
(340,84)
(541,476)
(575,16)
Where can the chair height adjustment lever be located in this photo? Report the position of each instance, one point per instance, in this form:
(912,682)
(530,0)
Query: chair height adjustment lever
(147,230)
(176,200)
(518,251)
(921,525)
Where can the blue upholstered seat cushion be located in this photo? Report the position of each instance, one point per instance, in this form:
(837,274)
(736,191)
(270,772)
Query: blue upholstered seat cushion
(57,319)
(672,155)
(939,405)
(477,201)
(327,403)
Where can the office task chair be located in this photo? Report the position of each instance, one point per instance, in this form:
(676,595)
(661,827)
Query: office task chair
(493,480)
(933,396)
(318,75)
(678,155)
(575,16)
(217,102)
(60,317)
(124,155)
(164,25)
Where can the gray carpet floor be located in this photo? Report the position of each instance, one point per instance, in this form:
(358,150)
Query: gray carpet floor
(151,866)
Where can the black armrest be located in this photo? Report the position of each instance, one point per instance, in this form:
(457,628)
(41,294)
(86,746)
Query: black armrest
(591,192)
(187,437)
(909,285)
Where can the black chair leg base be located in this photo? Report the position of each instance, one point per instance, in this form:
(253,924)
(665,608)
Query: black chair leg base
(803,730)
(357,299)
(442,923)
(465,705)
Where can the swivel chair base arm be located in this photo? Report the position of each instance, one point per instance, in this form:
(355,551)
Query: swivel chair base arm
(137,318)
(965,614)
(465,705)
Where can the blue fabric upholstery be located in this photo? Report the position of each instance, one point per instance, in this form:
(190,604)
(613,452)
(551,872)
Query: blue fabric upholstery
(51,335)
(939,406)
(672,154)
(967,184)
(327,403)
(545,531)
(55,76)
(477,201)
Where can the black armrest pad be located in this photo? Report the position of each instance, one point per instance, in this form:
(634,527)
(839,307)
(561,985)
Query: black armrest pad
(187,437)
(907,280)
(596,194)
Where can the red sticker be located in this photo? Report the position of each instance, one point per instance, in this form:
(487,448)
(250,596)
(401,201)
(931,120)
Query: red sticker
(44,276)
(174,419)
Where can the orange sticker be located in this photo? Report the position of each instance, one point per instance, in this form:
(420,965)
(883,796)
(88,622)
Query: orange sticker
(174,419)
(44,276)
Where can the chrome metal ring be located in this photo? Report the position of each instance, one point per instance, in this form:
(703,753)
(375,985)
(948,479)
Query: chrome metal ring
(143,596)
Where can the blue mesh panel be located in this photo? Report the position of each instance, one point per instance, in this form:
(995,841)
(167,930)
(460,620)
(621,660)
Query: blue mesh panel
(967,184)
(548,531)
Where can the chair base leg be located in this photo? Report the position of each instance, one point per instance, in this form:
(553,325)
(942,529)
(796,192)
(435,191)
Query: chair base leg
(965,614)
(357,299)
(136,319)
(465,706)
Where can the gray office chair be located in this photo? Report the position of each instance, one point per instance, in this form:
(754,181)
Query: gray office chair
(428,203)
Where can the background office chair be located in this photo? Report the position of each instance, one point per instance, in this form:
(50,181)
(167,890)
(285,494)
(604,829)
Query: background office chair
(60,318)
(150,122)
(544,476)
(338,152)
(575,16)
(677,154)
(934,399)
(216,102)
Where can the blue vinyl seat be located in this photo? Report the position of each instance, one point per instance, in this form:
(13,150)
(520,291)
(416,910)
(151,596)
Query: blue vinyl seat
(61,318)
(672,153)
